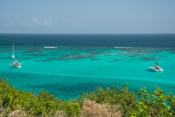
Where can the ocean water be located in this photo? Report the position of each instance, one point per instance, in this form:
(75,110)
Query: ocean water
(82,63)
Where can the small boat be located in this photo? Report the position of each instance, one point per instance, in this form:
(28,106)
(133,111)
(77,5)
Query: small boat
(13,52)
(155,69)
(16,64)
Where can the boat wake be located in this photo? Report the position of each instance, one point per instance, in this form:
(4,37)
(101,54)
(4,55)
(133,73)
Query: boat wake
(50,47)
(122,47)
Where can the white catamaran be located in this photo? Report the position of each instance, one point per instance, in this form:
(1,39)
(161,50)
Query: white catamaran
(15,63)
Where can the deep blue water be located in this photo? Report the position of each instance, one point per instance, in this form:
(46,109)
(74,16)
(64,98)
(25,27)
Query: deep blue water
(154,40)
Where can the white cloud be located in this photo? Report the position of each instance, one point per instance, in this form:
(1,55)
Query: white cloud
(35,20)
(42,20)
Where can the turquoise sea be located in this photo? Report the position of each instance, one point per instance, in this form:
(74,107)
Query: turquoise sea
(68,71)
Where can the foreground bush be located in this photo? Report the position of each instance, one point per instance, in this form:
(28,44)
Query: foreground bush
(144,104)
(44,104)
(92,109)
(126,100)
(110,102)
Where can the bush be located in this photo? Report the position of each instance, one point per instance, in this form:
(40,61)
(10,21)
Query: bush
(42,105)
(92,109)
(100,103)
(122,97)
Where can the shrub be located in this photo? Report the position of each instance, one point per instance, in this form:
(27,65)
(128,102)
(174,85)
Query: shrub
(17,113)
(92,109)
(124,98)
(100,103)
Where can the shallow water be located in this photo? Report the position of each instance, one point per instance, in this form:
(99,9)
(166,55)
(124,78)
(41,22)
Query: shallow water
(68,71)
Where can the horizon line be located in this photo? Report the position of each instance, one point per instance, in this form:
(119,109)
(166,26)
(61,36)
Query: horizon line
(88,33)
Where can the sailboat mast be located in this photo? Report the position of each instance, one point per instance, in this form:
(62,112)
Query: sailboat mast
(13,49)
(13,52)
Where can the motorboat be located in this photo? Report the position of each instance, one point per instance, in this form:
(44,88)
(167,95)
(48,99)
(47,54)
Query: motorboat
(155,69)
(16,64)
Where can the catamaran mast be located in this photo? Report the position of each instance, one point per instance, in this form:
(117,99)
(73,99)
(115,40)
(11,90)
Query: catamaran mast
(13,52)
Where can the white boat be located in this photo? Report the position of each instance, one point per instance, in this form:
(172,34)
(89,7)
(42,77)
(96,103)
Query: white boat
(155,69)
(13,52)
(16,64)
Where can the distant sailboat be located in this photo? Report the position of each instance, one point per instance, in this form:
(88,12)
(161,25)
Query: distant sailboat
(15,63)
(13,52)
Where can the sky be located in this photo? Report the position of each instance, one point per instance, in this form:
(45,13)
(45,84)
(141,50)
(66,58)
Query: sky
(87,16)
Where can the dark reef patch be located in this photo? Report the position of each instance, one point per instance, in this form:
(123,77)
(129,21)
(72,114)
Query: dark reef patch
(150,58)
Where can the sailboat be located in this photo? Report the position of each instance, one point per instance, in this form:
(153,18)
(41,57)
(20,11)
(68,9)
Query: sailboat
(15,63)
(13,52)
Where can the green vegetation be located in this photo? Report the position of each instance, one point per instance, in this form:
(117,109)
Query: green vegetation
(100,103)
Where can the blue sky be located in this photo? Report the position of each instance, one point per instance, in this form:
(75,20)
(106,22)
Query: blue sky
(87,16)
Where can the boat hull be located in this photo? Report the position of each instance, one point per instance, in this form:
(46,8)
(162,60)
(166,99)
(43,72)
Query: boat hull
(153,69)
